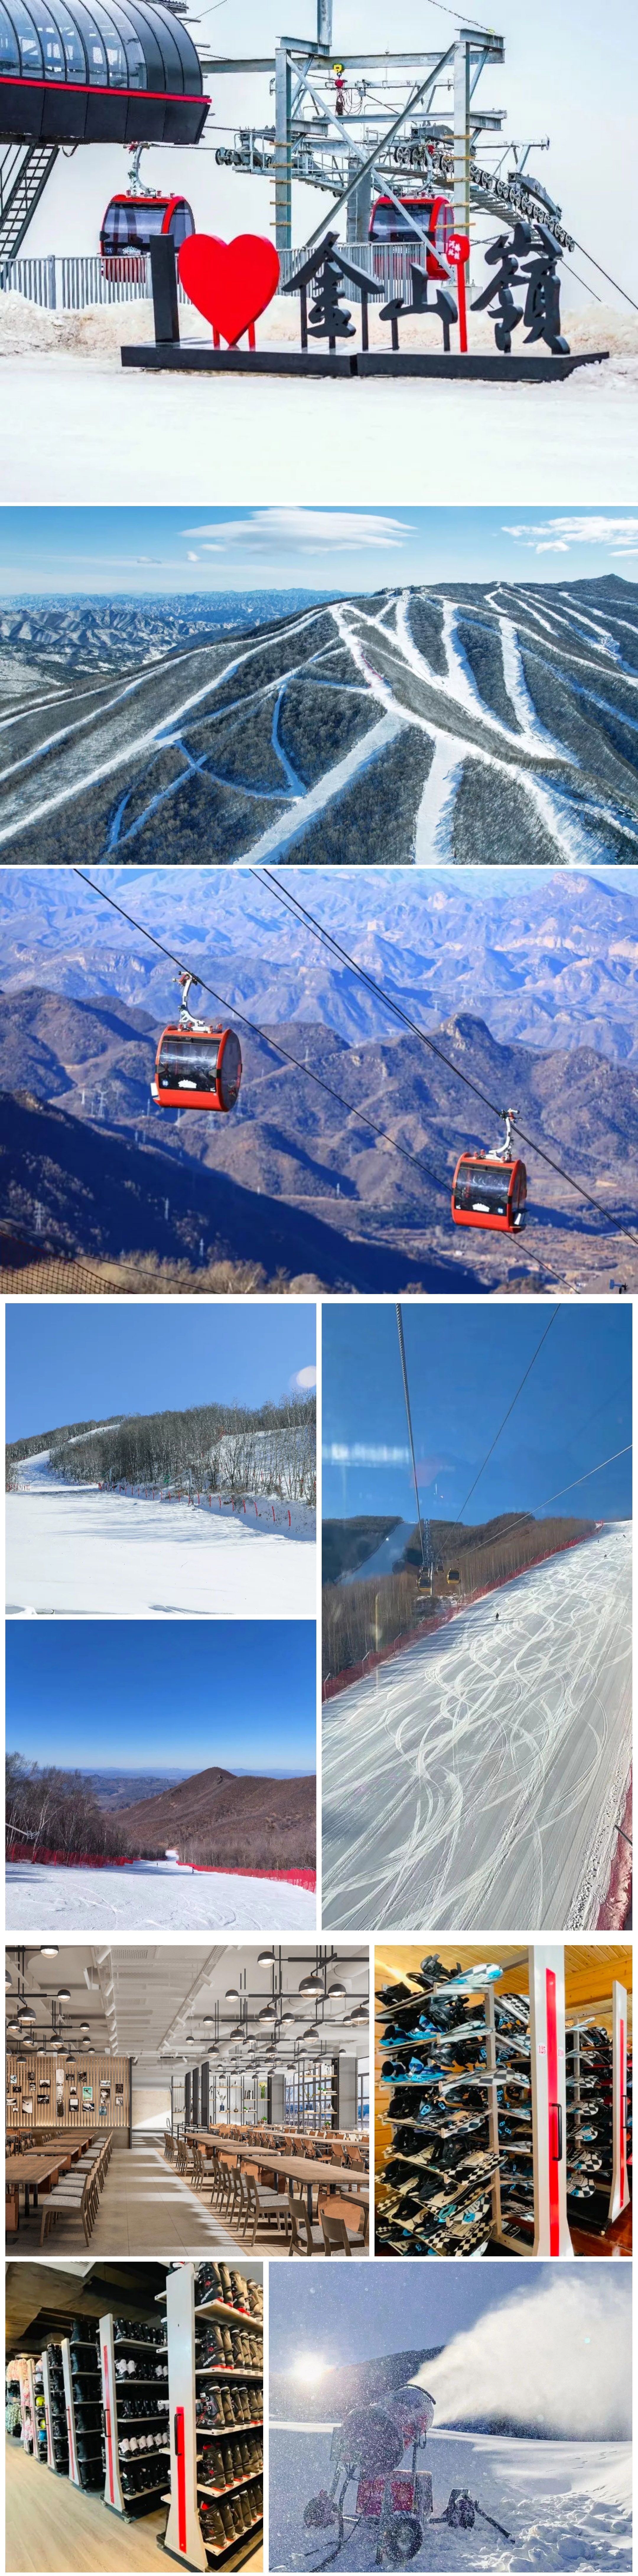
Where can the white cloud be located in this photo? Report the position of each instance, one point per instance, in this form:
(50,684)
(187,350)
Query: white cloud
(557,535)
(316,532)
(305,1377)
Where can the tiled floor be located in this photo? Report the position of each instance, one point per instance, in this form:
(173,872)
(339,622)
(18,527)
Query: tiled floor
(145,2208)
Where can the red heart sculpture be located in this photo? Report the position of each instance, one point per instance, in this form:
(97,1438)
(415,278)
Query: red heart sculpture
(230,282)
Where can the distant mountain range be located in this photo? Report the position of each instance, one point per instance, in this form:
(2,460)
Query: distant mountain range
(527,983)
(67,1185)
(465,723)
(290,1140)
(47,637)
(547,959)
(115,1789)
(228,1820)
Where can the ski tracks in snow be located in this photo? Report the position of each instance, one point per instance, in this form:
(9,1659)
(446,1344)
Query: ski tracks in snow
(475,1780)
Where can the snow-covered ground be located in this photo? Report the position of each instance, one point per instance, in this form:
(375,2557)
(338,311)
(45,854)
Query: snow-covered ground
(476,1779)
(152,1896)
(72,1552)
(565,2504)
(71,413)
(385,1556)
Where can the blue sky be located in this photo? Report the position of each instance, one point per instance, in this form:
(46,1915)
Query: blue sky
(138,1695)
(464,1364)
(173,550)
(83,1363)
(388,2308)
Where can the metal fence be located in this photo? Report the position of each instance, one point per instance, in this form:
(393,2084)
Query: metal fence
(72,285)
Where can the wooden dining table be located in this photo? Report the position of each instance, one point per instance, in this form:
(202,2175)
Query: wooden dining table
(303,2169)
(39,2171)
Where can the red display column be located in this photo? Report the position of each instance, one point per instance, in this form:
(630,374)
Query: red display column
(183,2535)
(620,2193)
(549,2123)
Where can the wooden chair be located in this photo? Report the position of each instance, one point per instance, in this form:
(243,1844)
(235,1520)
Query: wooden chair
(303,2236)
(339,2213)
(216,2176)
(334,2233)
(267,2207)
(196,2170)
(69,2201)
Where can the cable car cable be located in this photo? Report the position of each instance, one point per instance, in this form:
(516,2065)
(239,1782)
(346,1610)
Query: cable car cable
(514,1525)
(506,1416)
(584,1480)
(406,1392)
(604,272)
(256,1031)
(327,936)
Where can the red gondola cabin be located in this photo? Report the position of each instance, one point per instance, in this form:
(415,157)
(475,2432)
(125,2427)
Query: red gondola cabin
(131,223)
(490,1191)
(434,217)
(197,1069)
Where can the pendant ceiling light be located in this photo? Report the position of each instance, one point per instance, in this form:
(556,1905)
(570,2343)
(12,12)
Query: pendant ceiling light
(49,1950)
(265,1958)
(336,1988)
(233,1995)
(313,1984)
(267,2013)
(63,1995)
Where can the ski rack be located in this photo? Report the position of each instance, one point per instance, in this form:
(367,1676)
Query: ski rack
(74,2472)
(27,2405)
(131,2506)
(38,2365)
(183,2538)
(59,2469)
(616,2179)
(546,1978)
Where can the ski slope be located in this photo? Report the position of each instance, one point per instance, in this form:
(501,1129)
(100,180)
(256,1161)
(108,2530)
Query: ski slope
(152,1896)
(72,1552)
(475,1781)
(564,2504)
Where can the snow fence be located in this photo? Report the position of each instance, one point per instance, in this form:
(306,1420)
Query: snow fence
(97,1860)
(234,1503)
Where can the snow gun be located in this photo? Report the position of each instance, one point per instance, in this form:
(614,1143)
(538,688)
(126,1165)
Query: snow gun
(393,2491)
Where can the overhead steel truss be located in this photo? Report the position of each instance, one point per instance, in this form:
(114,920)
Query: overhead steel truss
(357,128)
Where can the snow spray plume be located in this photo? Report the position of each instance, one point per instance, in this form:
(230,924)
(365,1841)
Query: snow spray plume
(556,2359)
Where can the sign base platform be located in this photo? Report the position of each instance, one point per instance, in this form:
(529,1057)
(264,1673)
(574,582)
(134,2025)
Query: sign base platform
(197,357)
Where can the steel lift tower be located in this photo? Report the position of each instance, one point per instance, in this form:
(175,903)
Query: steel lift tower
(386,115)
